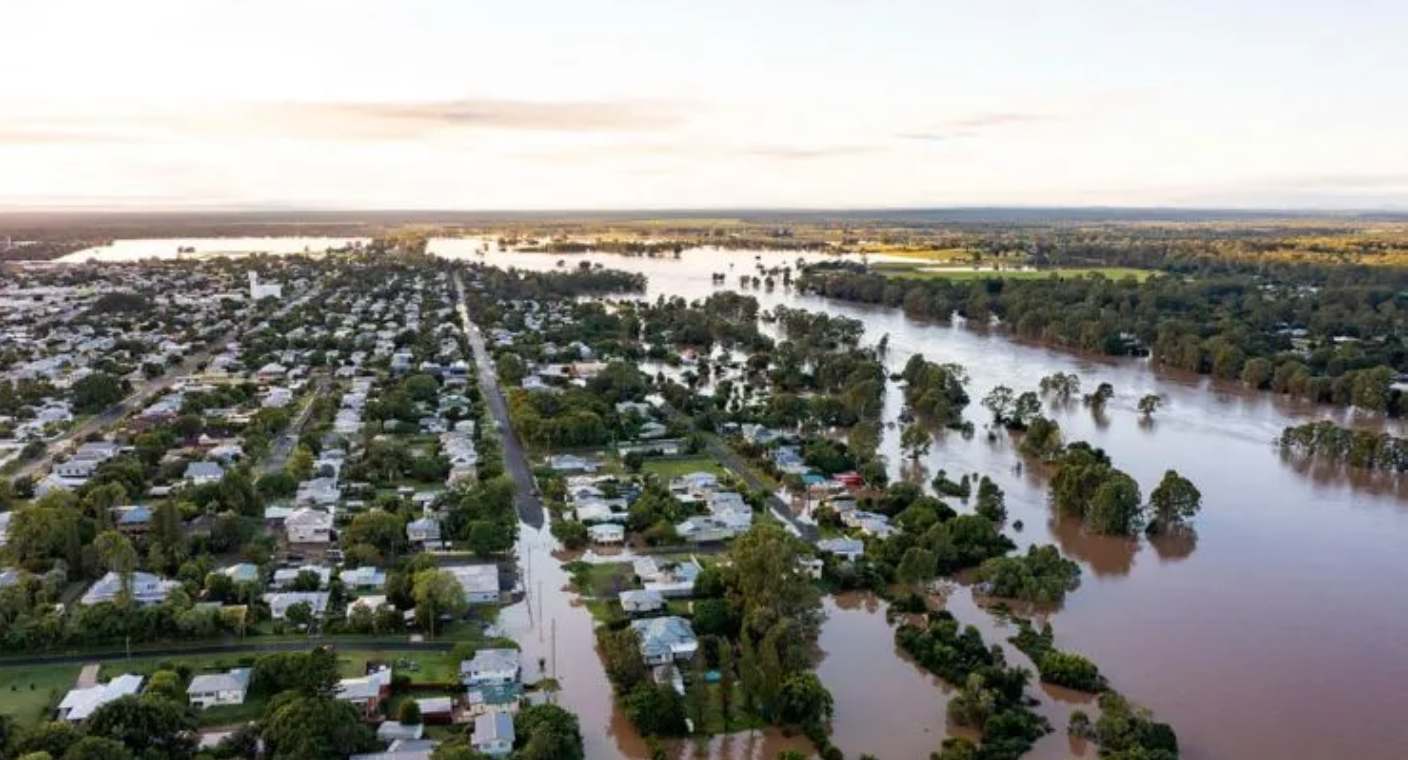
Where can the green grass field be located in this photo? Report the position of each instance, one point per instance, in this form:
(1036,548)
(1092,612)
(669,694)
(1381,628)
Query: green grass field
(28,693)
(675,467)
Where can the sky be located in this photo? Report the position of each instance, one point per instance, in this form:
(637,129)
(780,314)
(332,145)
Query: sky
(460,104)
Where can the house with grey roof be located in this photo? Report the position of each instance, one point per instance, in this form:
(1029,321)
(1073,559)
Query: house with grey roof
(144,589)
(493,734)
(665,639)
(491,666)
(79,704)
(211,689)
(203,473)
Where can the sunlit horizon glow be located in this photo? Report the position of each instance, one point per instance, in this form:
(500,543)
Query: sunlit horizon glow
(622,105)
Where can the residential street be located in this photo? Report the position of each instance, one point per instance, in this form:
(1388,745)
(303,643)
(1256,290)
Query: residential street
(526,499)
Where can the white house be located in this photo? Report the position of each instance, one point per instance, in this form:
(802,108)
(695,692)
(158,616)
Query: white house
(78,704)
(491,667)
(845,548)
(144,589)
(203,473)
(493,734)
(211,689)
(480,582)
(308,526)
(285,577)
(639,600)
(280,602)
(607,533)
(424,532)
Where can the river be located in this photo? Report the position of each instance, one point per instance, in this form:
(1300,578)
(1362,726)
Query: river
(136,249)
(1270,633)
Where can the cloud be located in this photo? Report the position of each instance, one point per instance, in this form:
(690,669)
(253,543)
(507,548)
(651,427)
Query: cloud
(345,120)
(416,118)
(972,126)
(806,153)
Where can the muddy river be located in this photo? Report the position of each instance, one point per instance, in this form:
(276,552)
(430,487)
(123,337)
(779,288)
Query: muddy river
(1278,630)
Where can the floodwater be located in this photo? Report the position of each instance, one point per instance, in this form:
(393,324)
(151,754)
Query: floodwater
(136,249)
(1277,630)
(558,640)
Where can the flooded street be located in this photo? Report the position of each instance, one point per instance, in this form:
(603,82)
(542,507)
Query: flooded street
(1265,635)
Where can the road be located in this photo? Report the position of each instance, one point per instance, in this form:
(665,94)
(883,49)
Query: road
(283,446)
(525,488)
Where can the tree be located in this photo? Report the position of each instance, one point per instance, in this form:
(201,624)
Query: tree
(149,726)
(916,439)
(98,748)
(1149,404)
(620,653)
(167,685)
(766,582)
(1174,500)
(409,712)
(1115,507)
(999,401)
(547,732)
(300,614)
(118,556)
(96,391)
(437,594)
(378,528)
(302,727)
(1103,393)
(656,710)
(300,464)
(804,700)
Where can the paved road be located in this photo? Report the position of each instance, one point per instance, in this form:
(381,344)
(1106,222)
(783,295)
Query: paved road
(234,647)
(525,488)
(283,445)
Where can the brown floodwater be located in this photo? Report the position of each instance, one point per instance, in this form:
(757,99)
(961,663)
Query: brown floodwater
(1276,629)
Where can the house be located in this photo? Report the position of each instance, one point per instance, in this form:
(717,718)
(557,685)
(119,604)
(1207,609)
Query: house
(209,690)
(572,463)
(665,639)
(285,577)
(277,397)
(669,579)
(368,692)
(135,519)
(144,589)
(846,548)
(364,578)
(244,572)
(79,704)
(403,749)
(308,526)
(280,602)
(436,710)
(271,372)
(480,582)
(493,698)
(638,601)
(493,734)
(607,533)
(393,730)
(318,491)
(372,603)
(424,532)
(491,667)
(203,473)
